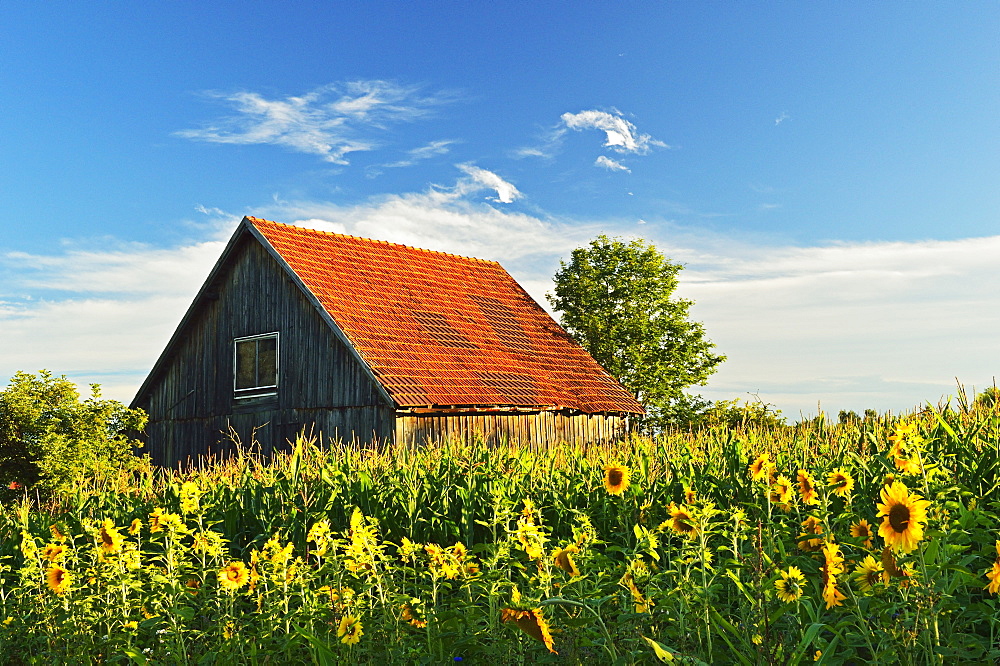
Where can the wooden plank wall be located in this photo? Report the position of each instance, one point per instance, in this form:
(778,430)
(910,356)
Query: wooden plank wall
(537,429)
(191,405)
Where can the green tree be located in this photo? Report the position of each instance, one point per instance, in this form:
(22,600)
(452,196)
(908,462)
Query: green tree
(616,298)
(50,438)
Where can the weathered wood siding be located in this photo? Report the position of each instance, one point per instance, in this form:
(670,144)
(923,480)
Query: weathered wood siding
(538,429)
(321,385)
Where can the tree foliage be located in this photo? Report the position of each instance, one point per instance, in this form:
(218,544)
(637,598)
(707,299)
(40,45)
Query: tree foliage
(50,438)
(616,298)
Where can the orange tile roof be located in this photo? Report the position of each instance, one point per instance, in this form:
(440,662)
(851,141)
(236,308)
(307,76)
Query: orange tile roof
(440,329)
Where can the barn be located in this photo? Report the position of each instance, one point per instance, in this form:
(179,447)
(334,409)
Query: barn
(369,341)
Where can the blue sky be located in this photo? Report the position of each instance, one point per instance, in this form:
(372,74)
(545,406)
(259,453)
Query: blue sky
(827,172)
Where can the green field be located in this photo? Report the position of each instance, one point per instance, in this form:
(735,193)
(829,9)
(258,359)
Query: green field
(650,550)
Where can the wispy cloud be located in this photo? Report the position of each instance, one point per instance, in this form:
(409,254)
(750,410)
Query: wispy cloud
(610,164)
(531,151)
(782,118)
(621,135)
(330,122)
(432,149)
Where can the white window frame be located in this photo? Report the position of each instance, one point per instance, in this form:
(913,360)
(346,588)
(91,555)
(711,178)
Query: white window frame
(258,391)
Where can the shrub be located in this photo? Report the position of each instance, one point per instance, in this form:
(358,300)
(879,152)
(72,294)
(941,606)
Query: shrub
(49,438)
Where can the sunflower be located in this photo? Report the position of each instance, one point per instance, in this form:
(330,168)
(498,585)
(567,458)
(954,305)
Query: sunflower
(135,527)
(350,630)
(59,579)
(905,449)
(531,538)
(616,478)
(682,521)
(110,538)
(690,496)
(53,553)
(994,575)
(156,520)
(408,614)
(907,462)
(833,562)
(234,576)
(807,487)
(832,596)
(808,542)
(889,565)
(530,622)
(906,433)
(789,585)
(841,481)
(563,557)
(869,573)
(904,515)
(761,467)
(833,566)
(190,495)
(172,523)
(862,530)
(781,490)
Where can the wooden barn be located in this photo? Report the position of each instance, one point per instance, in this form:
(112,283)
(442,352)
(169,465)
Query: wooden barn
(366,340)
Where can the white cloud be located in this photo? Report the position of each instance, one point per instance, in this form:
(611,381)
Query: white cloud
(127,269)
(881,325)
(610,164)
(331,121)
(481,178)
(531,151)
(782,118)
(440,220)
(621,135)
(432,149)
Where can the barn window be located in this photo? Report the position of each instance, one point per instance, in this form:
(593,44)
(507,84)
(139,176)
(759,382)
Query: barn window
(255,366)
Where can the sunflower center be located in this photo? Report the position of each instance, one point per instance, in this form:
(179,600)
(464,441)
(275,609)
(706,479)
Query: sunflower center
(899,518)
(615,477)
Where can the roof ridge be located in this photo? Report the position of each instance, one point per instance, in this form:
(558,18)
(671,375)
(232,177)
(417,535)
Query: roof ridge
(255,220)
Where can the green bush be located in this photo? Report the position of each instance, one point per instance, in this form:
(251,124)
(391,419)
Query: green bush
(49,438)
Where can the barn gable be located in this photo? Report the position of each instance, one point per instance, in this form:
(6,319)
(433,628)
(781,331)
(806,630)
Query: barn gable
(368,340)
(322,383)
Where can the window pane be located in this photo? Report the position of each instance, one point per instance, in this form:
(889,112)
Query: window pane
(267,362)
(246,370)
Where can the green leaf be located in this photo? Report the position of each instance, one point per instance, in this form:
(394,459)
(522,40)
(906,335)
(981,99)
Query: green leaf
(806,641)
(137,657)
